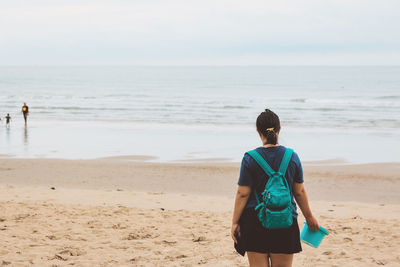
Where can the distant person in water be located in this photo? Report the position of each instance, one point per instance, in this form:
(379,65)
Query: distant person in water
(8,118)
(25,112)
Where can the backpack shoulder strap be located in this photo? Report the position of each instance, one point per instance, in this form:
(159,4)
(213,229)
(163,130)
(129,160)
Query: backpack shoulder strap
(261,161)
(285,161)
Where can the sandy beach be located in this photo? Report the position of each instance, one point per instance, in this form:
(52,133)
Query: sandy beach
(123,125)
(128,212)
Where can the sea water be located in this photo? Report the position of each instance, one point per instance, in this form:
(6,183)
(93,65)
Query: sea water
(345,114)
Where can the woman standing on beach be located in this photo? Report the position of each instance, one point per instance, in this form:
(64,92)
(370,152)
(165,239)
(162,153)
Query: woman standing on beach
(268,247)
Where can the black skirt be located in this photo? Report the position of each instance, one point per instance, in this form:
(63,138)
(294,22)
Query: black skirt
(255,238)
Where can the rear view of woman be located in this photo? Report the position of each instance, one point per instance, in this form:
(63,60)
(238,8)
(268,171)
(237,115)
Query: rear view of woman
(265,246)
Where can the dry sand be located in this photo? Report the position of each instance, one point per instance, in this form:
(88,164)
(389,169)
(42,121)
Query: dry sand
(123,212)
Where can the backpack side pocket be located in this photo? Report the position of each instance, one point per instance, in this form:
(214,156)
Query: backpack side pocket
(278,219)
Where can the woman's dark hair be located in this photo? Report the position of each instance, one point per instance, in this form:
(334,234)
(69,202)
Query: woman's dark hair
(268,125)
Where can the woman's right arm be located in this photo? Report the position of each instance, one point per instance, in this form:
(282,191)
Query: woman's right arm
(301,198)
(242,196)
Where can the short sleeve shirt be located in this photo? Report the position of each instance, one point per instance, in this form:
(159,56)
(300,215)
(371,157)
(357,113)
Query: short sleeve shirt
(251,174)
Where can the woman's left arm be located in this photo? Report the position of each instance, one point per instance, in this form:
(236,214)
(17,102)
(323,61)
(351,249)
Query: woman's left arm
(242,195)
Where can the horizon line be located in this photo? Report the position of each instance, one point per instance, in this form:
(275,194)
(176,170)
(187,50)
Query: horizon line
(199,65)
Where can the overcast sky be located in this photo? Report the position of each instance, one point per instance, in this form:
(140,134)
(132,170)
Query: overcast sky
(201,32)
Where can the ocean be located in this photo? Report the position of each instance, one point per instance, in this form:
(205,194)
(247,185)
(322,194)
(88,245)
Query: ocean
(335,114)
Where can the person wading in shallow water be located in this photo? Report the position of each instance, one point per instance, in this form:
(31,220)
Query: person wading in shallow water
(8,119)
(268,247)
(25,112)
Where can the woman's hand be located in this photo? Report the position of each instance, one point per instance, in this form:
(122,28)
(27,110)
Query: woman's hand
(235,232)
(312,223)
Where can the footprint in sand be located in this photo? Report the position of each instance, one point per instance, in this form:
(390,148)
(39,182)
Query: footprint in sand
(71,251)
(119,226)
(51,237)
(202,261)
(199,239)
(59,257)
(169,242)
(379,262)
(181,256)
(20,217)
(135,236)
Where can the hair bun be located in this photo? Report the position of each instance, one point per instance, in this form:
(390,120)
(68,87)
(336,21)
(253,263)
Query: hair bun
(268,125)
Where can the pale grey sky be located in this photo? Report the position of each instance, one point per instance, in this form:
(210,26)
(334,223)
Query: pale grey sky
(202,32)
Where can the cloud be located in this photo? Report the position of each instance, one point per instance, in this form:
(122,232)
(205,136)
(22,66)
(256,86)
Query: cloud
(170,32)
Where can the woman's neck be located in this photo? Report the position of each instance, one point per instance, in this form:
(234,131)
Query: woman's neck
(270,145)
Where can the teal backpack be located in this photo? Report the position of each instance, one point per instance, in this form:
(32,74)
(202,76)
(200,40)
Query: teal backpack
(275,209)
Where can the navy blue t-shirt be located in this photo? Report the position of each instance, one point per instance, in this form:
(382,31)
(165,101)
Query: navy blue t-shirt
(251,174)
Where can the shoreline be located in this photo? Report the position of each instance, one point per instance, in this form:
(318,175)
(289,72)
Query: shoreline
(190,143)
(334,161)
(218,160)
